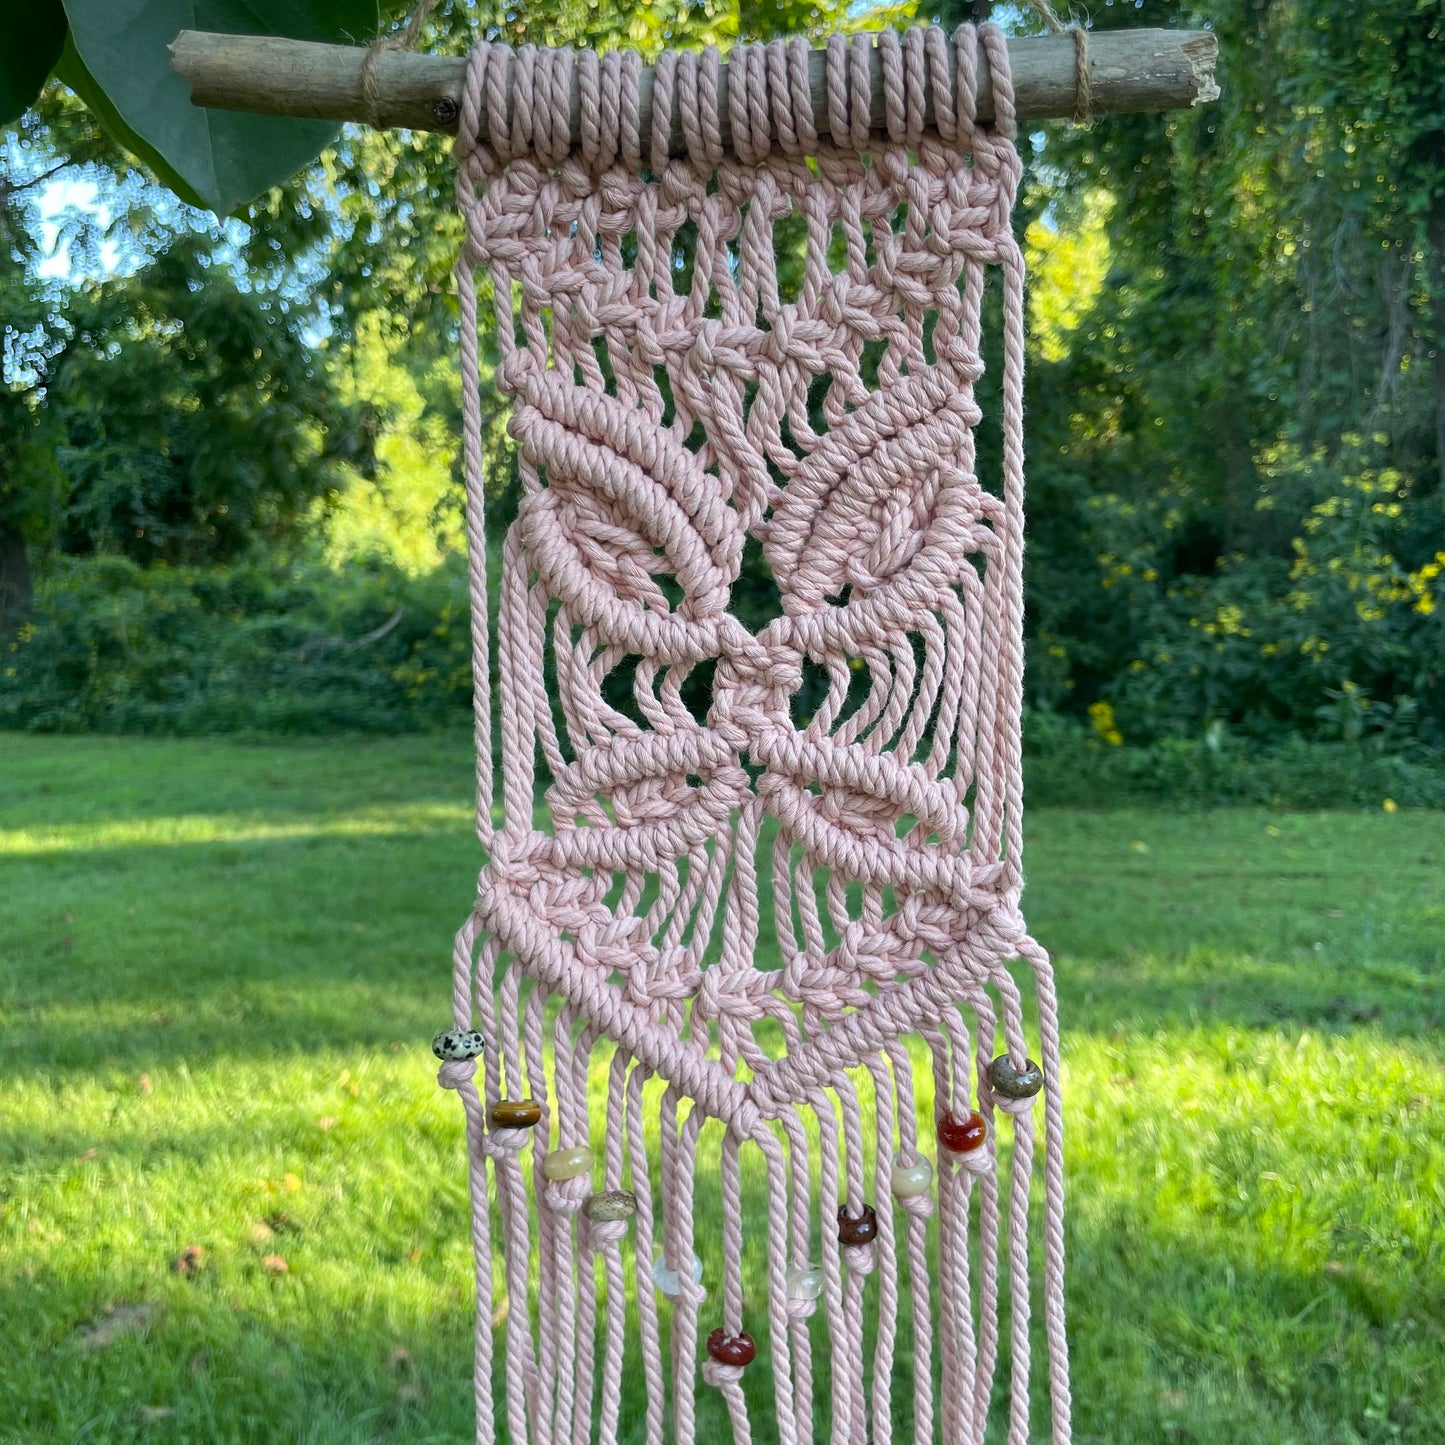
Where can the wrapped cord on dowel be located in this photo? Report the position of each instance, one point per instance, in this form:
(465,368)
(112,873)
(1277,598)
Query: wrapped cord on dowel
(706,1176)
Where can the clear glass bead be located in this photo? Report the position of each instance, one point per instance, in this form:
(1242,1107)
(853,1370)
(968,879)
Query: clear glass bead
(805,1282)
(667,1281)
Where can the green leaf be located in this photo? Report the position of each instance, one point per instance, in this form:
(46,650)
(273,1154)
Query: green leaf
(219,159)
(34,31)
(72,71)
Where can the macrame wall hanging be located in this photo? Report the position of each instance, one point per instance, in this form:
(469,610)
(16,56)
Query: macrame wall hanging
(740,1012)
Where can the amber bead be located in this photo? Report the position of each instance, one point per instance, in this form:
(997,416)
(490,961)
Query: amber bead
(862,1230)
(962,1136)
(514,1114)
(729,1349)
(1012,1083)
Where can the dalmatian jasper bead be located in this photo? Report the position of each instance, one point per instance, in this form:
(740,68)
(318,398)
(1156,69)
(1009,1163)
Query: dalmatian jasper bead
(456,1045)
(1012,1083)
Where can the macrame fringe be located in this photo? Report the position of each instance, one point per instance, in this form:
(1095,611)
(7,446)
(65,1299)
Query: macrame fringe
(638,1068)
(584,1311)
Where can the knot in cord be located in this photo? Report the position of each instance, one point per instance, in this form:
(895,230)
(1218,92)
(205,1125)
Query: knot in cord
(602,1232)
(976,1161)
(717,1374)
(918,1205)
(456,1072)
(505,1143)
(1014,1106)
(567,1196)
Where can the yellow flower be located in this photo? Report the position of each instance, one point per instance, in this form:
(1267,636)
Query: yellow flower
(1101,714)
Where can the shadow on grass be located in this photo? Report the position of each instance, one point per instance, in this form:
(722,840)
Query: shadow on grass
(115,1358)
(1185,1336)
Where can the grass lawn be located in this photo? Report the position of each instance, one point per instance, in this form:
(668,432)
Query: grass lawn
(220,968)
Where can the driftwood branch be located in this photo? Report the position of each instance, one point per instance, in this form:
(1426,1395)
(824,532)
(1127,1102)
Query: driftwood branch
(1129,70)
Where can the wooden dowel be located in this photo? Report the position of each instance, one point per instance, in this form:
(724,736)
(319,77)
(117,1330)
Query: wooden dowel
(1129,70)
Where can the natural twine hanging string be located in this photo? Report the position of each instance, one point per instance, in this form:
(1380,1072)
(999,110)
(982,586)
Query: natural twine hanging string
(1083,97)
(403,39)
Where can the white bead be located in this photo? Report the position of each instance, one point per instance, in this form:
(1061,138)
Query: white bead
(805,1282)
(667,1281)
(910,1180)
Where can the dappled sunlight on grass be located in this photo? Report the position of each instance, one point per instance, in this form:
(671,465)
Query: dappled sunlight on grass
(234,828)
(223,967)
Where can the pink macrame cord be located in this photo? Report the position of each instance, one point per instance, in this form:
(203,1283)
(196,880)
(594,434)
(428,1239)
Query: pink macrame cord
(699,1183)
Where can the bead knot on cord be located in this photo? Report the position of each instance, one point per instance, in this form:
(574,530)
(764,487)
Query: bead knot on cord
(602,1232)
(456,1072)
(566,1196)
(805,1284)
(918,1205)
(717,1375)
(505,1143)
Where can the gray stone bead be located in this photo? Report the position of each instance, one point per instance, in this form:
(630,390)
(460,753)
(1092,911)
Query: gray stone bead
(1012,1083)
(455,1045)
(611,1206)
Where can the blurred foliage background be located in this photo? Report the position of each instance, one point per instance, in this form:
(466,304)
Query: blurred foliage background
(229,474)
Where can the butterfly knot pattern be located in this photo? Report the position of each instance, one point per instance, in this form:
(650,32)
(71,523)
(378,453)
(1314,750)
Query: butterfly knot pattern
(769,375)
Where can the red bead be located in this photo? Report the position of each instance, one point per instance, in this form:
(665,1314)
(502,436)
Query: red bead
(729,1349)
(862,1230)
(962,1136)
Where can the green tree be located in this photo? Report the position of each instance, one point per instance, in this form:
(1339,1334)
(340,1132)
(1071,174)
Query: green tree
(1266,346)
(188,414)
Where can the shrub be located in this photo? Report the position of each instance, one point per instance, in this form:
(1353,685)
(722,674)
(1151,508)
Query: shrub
(1068,765)
(272,649)
(253,648)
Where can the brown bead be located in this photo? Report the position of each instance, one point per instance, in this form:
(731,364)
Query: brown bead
(862,1230)
(729,1349)
(962,1136)
(514,1114)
